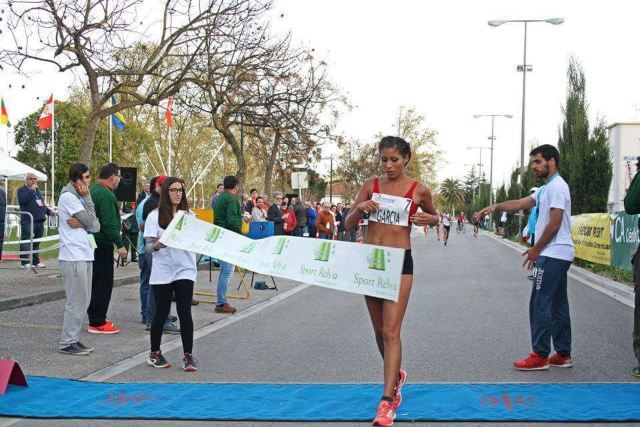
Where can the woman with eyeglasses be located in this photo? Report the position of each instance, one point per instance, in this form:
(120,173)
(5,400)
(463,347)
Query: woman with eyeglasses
(173,271)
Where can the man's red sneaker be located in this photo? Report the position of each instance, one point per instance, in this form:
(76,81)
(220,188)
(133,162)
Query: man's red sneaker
(560,361)
(534,362)
(106,329)
(386,414)
(397,397)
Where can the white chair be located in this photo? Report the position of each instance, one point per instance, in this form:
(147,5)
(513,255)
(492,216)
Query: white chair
(13,222)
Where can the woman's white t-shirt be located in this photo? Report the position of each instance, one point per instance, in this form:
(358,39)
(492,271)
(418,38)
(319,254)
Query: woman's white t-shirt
(169,264)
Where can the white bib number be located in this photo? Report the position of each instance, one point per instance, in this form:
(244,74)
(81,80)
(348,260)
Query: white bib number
(392,210)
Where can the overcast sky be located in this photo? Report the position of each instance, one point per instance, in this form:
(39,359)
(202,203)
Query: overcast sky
(443,58)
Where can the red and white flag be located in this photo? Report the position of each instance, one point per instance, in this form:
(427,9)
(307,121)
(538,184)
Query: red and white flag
(169,114)
(46,117)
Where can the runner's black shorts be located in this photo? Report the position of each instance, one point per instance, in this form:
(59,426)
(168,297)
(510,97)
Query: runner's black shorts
(447,227)
(407,267)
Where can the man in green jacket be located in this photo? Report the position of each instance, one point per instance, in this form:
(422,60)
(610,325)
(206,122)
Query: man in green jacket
(109,236)
(632,207)
(227,209)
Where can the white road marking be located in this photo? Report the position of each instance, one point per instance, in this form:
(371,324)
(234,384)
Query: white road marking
(140,358)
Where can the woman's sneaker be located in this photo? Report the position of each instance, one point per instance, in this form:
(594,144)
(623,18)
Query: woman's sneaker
(157,360)
(386,414)
(397,397)
(636,372)
(560,361)
(189,363)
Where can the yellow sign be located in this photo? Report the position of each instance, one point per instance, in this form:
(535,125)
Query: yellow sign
(592,237)
(204,214)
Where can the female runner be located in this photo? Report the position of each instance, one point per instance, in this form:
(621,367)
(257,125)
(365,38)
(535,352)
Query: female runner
(386,316)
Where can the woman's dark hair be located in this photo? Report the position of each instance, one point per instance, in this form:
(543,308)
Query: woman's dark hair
(165,210)
(76,171)
(548,152)
(152,184)
(403,147)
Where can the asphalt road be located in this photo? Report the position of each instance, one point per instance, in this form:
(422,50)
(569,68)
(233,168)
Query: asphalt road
(467,321)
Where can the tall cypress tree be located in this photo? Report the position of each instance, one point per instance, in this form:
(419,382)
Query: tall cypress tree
(584,158)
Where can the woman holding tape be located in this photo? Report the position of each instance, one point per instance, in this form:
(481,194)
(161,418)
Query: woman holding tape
(390,225)
(173,271)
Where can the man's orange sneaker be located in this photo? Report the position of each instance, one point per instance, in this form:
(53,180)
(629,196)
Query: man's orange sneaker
(534,362)
(386,414)
(106,329)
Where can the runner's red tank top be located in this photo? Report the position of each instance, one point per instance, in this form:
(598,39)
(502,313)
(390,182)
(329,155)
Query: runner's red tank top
(408,195)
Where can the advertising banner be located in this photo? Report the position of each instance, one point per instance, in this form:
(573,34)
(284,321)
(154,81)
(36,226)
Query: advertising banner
(624,239)
(351,267)
(592,237)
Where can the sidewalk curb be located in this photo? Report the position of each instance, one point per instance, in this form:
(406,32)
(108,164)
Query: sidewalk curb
(616,290)
(42,297)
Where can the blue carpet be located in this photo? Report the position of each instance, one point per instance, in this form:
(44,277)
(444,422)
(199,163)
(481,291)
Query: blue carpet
(63,398)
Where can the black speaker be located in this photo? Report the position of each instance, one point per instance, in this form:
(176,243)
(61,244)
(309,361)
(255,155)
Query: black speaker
(126,191)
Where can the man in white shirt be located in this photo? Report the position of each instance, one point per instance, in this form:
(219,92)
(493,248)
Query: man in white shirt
(551,255)
(77,217)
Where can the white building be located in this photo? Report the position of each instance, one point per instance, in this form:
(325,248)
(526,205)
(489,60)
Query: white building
(624,143)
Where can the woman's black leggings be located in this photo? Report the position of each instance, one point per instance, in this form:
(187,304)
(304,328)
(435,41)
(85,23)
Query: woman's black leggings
(183,290)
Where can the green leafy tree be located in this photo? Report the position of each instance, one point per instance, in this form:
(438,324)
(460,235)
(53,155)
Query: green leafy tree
(583,154)
(452,194)
(514,192)
(501,196)
(470,187)
(357,162)
(425,154)
(70,120)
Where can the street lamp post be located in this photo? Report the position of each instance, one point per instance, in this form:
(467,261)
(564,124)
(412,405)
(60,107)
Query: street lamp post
(492,138)
(524,68)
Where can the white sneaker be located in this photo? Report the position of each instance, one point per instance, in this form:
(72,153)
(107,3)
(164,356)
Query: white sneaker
(27,266)
(41,265)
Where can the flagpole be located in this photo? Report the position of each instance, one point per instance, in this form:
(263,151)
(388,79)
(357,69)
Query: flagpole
(110,137)
(169,160)
(53,150)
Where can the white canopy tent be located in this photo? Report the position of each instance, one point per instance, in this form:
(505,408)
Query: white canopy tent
(14,170)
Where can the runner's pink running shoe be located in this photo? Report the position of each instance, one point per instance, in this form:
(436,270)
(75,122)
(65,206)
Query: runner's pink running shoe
(386,414)
(397,397)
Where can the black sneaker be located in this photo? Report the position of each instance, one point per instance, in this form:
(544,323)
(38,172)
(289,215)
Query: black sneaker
(84,347)
(143,320)
(189,363)
(157,360)
(73,350)
(171,329)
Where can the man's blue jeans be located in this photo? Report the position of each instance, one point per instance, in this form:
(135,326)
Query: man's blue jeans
(145,274)
(226,271)
(151,302)
(25,234)
(549,307)
(326,236)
